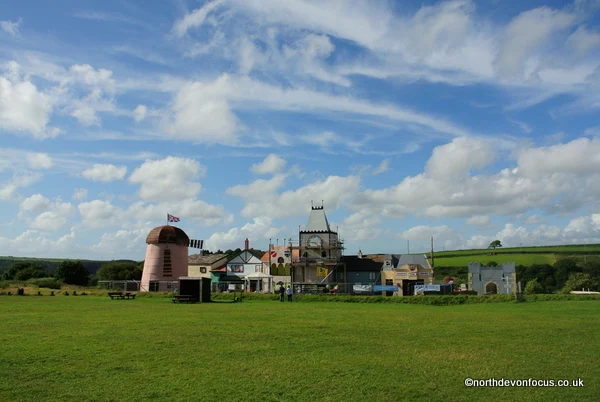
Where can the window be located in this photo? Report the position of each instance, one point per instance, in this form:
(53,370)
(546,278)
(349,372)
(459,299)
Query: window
(167,268)
(202,270)
(280,260)
(372,275)
(324,254)
(154,286)
(237,268)
(258,268)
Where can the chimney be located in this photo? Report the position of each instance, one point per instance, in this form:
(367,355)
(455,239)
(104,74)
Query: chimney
(247,244)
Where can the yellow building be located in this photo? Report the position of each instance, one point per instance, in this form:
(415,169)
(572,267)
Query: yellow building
(199,266)
(406,271)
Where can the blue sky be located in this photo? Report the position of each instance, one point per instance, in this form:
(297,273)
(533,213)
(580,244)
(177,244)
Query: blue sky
(467,121)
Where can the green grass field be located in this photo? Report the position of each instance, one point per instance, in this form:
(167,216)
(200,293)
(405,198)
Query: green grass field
(94,348)
(565,249)
(518,259)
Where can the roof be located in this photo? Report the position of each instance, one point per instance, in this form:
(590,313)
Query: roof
(220,269)
(167,234)
(355,264)
(246,255)
(399,260)
(317,221)
(199,259)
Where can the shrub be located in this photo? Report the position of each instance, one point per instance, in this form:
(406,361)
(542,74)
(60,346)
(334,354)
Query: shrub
(50,283)
(534,287)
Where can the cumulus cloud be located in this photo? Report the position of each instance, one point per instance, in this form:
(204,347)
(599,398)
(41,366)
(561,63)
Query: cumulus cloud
(105,173)
(168,179)
(201,112)
(99,213)
(561,185)
(272,164)
(8,190)
(36,243)
(80,194)
(262,198)
(51,215)
(261,228)
(23,108)
(39,161)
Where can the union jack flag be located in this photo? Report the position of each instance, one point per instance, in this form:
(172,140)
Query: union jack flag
(171,218)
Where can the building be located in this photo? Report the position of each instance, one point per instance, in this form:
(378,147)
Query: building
(239,267)
(166,258)
(492,280)
(320,250)
(406,271)
(359,272)
(200,266)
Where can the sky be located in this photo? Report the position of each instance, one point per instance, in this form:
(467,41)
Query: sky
(467,121)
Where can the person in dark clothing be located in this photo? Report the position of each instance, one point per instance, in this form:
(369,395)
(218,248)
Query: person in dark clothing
(289,293)
(281,293)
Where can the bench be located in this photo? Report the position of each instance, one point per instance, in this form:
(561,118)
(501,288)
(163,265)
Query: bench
(184,299)
(121,295)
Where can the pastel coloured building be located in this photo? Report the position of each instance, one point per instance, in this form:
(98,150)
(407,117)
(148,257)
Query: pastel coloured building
(166,258)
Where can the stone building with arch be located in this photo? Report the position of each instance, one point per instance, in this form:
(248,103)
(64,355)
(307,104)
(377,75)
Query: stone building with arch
(492,280)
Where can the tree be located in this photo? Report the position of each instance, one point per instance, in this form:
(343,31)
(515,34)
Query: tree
(534,287)
(495,244)
(72,272)
(29,273)
(120,271)
(31,267)
(580,281)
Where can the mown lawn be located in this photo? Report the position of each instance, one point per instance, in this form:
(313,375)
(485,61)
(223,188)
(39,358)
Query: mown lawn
(93,348)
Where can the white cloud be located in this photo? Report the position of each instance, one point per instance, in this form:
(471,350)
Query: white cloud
(560,179)
(8,191)
(105,173)
(201,112)
(52,215)
(36,243)
(525,34)
(168,179)
(22,107)
(11,27)
(443,235)
(272,164)
(123,243)
(360,227)
(259,230)
(99,213)
(80,194)
(262,199)
(140,112)
(580,156)
(39,161)
(459,157)
(383,167)
(36,203)
(195,18)
(478,220)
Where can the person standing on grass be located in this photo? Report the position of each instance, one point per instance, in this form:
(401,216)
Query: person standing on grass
(281,292)
(289,293)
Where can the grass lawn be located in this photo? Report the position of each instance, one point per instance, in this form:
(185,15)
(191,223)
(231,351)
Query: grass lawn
(94,348)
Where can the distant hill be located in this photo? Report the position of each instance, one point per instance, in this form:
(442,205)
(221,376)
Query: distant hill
(50,264)
(520,255)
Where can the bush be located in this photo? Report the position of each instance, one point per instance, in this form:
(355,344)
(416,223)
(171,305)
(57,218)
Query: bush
(72,273)
(50,283)
(534,287)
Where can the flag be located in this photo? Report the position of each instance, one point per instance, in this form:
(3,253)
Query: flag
(171,218)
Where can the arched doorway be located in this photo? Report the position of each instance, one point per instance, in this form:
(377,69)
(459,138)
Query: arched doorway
(491,288)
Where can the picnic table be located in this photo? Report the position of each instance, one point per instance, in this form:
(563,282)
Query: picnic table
(184,299)
(121,295)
